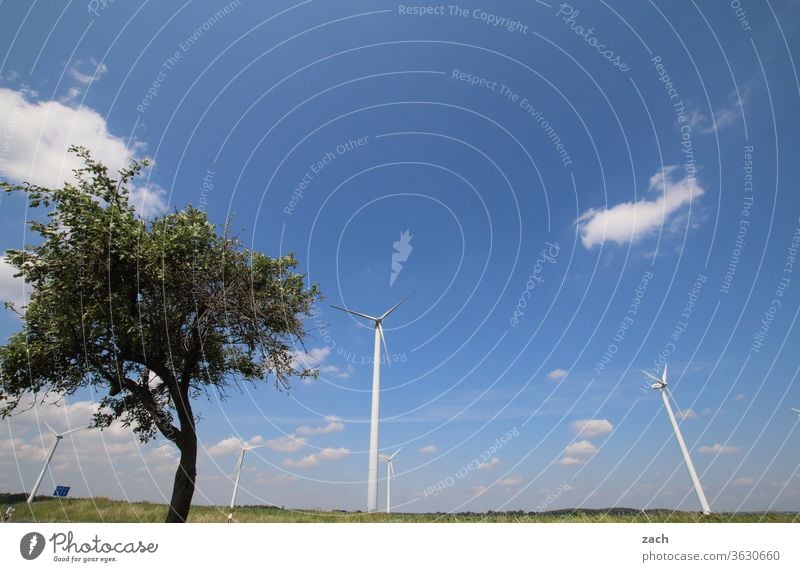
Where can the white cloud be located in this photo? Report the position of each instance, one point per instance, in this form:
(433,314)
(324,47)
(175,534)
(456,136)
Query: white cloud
(39,133)
(494,462)
(570,461)
(687,414)
(511,481)
(11,288)
(429,450)
(336,371)
(333,426)
(557,374)
(745,481)
(327,454)
(717,449)
(722,118)
(632,221)
(479,490)
(149,200)
(85,72)
(286,444)
(310,359)
(580,448)
(592,427)
(233,445)
(740,397)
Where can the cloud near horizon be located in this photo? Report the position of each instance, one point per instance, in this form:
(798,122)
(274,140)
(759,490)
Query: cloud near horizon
(327,454)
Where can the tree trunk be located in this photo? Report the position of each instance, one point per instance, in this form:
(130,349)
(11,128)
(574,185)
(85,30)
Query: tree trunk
(183,489)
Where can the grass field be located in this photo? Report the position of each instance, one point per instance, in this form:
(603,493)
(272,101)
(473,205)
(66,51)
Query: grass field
(48,509)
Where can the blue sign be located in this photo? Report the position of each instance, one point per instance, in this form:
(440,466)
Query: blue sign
(61,491)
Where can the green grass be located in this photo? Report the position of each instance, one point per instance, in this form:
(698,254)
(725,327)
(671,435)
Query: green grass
(99,509)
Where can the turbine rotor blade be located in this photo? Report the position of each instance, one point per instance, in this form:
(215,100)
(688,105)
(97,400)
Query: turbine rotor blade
(395,453)
(72,431)
(393,308)
(250,448)
(368,317)
(383,339)
(651,376)
(664,375)
(51,429)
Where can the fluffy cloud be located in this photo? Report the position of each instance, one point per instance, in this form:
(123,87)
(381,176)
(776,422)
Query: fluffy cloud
(511,481)
(687,414)
(580,448)
(41,131)
(557,374)
(494,462)
(429,450)
(717,449)
(233,445)
(11,289)
(310,359)
(570,461)
(632,221)
(336,371)
(327,454)
(745,481)
(286,444)
(333,426)
(592,427)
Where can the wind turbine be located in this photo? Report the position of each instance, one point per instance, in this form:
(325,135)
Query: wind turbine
(661,385)
(372,475)
(238,471)
(58,437)
(389,477)
(795,410)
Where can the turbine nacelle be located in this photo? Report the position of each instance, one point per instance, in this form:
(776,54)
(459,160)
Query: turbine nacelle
(660,383)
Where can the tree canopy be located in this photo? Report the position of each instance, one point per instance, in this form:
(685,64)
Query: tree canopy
(150,313)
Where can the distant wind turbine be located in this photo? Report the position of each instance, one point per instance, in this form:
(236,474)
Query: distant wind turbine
(58,437)
(389,477)
(372,475)
(796,410)
(238,471)
(661,385)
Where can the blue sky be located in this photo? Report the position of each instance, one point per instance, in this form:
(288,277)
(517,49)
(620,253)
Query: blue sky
(589,190)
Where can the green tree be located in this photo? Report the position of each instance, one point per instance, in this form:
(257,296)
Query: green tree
(115,297)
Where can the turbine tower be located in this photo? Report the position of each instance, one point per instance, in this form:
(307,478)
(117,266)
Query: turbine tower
(58,437)
(389,477)
(661,385)
(238,471)
(372,475)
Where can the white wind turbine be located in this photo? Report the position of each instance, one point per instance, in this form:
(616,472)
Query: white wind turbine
(389,477)
(372,475)
(795,410)
(58,437)
(238,471)
(661,385)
